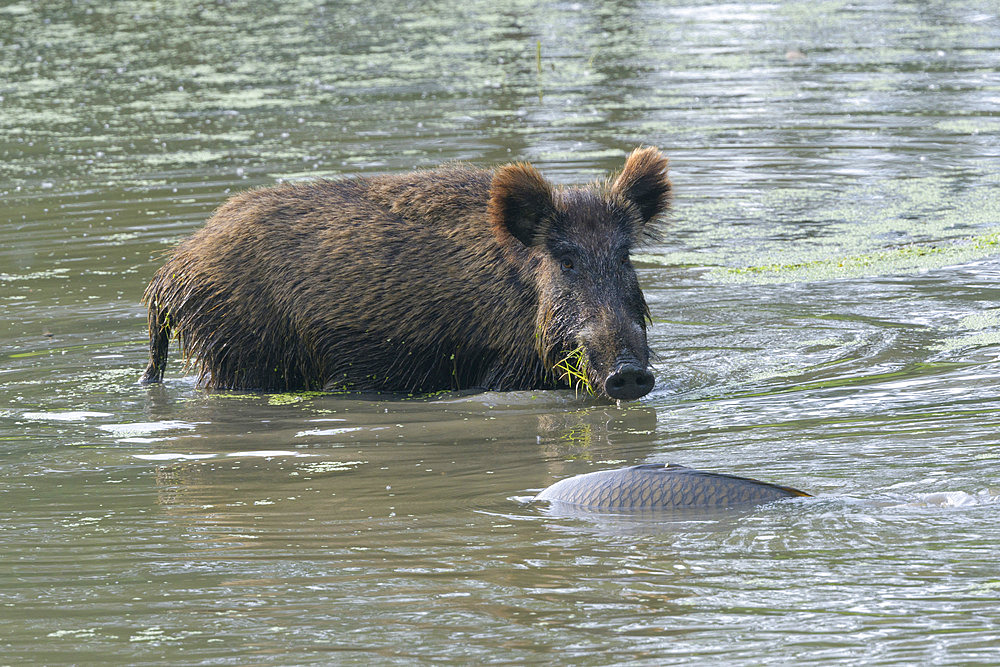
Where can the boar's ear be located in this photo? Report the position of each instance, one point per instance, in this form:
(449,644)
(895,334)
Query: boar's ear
(521,203)
(644,182)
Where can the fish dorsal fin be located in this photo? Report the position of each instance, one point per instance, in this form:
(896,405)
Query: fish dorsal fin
(659,466)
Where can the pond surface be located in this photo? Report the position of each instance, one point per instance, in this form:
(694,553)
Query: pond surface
(826,316)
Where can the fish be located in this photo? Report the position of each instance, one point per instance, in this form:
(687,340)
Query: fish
(658,486)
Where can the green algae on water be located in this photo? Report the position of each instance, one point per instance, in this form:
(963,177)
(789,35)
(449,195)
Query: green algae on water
(289,398)
(286,398)
(903,259)
(980,329)
(910,258)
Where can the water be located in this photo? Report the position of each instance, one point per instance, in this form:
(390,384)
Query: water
(826,316)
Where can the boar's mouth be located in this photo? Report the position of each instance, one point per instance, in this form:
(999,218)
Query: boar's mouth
(574,368)
(627,381)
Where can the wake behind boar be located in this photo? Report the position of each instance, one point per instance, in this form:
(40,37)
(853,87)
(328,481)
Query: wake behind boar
(453,278)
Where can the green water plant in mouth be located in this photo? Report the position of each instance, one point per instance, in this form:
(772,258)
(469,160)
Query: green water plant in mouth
(572,367)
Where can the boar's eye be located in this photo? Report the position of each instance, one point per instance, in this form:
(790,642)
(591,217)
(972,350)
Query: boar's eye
(566,264)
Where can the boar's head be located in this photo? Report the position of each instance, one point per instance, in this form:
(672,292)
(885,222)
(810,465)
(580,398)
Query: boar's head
(592,316)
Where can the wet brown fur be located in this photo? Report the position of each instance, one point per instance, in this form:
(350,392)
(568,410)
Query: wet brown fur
(404,283)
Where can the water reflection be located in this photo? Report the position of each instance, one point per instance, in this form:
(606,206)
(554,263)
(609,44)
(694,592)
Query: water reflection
(419,455)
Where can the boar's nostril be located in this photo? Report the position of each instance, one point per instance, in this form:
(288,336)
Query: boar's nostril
(628,382)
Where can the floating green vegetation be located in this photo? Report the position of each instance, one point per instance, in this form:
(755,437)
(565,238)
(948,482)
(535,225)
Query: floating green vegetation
(982,320)
(293,397)
(429,396)
(981,339)
(572,368)
(791,232)
(901,259)
(232,395)
(973,331)
(286,398)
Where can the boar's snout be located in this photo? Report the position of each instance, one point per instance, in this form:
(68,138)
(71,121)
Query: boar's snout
(629,382)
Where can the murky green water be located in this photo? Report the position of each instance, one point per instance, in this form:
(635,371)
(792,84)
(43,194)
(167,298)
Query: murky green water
(826,312)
